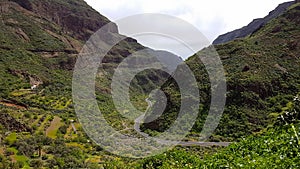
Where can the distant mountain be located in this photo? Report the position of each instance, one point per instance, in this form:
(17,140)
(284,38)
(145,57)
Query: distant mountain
(170,60)
(255,25)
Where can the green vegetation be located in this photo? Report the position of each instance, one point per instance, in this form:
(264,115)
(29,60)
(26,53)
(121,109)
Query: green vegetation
(11,139)
(262,73)
(53,128)
(277,148)
(39,128)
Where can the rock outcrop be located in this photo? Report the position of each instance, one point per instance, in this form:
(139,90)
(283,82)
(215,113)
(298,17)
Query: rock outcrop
(75,17)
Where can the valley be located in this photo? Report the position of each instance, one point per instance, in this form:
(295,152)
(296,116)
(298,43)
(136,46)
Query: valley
(39,127)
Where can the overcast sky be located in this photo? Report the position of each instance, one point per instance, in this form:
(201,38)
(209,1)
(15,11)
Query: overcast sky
(211,17)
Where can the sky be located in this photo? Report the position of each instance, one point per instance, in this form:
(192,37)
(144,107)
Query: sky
(211,17)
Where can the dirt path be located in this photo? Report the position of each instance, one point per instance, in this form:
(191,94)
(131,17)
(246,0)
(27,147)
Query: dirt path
(74,128)
(139,120)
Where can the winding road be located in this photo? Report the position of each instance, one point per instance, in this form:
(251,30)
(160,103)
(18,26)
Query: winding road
(139,120)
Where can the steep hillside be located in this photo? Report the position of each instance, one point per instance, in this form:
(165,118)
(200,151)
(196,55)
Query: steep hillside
(39,44)
(262,73)
(76,18)
(253,26)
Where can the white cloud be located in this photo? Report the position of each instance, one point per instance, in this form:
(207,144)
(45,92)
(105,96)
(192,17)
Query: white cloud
(212,17)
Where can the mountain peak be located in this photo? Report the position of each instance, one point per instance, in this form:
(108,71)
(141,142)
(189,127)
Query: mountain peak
(255,25)
(74,16)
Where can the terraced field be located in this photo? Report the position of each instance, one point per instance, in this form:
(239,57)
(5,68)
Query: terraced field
(53,128)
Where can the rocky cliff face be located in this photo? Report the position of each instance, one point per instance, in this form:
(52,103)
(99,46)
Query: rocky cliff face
(76,18)
(255,25)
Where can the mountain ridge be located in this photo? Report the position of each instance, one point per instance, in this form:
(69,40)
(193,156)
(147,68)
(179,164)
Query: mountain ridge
(75,17)
(254,26)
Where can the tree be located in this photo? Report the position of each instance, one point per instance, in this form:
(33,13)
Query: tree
(36,163)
